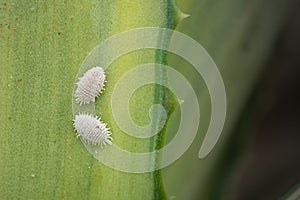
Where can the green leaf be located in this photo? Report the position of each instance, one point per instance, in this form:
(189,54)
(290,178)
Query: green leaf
(42,47)
(43,44)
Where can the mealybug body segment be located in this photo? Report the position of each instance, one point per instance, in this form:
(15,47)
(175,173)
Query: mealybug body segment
(92,130)
(90,85)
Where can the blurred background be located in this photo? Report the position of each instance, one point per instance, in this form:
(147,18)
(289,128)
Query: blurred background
(258,154)
(270,164)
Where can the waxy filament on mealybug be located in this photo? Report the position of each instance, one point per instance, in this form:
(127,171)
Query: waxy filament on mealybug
(90,85)
(92,130)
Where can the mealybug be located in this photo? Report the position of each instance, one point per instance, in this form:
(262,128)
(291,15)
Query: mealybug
(92,130)
(90,85)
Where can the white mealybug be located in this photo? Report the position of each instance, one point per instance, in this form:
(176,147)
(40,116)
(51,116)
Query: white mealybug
(92,130)
(90,85)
